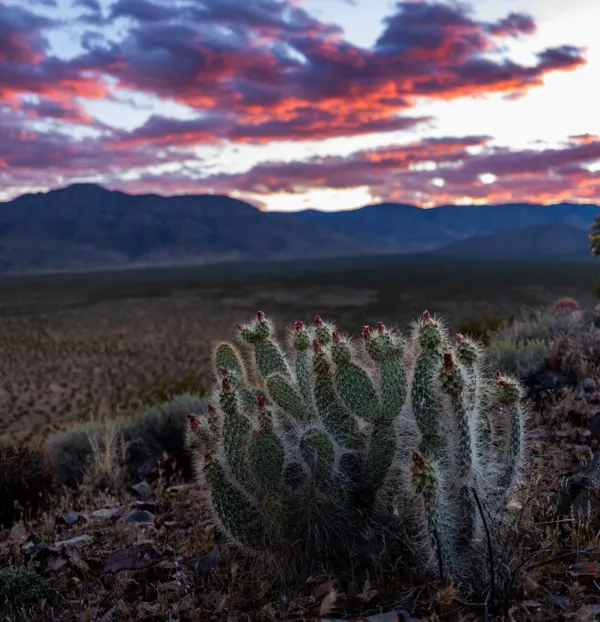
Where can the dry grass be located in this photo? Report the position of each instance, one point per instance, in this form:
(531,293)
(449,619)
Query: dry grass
(83,345)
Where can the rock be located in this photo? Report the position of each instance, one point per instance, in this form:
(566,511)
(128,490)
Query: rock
(143,489)
(588,384)
(139,516)
(73,541)
(142,555)
(106,512)
(550,379)
(72,518)
(205,565)
(186,604)
(160,462)
(114,613)
(594,426)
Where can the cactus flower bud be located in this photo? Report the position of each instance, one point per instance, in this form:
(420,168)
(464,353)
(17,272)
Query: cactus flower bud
(261,402)
(298,325)
(226,385)
(448,364)
(260,316)
(426,315)
(316,346)
(193,420)
(240,326)
(336,337)
(224,372)
(419,463)
(399,333)
(460,338)
(318,321)
(212,412)
(380,327)
(366,333)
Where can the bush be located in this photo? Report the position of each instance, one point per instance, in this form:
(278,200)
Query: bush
(565,305)
(19,589)
(521,359)
(157,429)
(480,327)
(26,482)
(345,452)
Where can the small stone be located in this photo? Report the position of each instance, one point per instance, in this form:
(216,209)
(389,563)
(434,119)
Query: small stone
(71,518)
(139,516)
(73,541)
(143,489)
(125,559)
(588,384)
(105,512)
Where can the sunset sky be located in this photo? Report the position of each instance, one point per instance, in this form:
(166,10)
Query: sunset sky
(290,104)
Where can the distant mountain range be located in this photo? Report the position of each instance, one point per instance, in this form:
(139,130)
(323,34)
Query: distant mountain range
(84,226)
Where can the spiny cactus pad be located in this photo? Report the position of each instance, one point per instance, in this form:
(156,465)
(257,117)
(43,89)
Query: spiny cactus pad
(312,451)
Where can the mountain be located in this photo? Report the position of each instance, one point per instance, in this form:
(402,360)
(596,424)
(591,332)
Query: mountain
(84,226)
(391,226)
(544,241)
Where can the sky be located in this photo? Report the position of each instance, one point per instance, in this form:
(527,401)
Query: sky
(295,104)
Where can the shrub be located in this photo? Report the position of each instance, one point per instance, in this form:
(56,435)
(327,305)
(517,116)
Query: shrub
(565,305)
(73,451)
(341,441)
(20,588)
(162,428)
(481,327)
(25,482)
(521,359)
(570,342)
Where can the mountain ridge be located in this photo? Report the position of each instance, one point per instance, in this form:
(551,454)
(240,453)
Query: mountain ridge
(87,226)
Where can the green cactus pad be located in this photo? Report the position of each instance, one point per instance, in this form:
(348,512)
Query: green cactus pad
(284,394)
(357,391)
(266,456)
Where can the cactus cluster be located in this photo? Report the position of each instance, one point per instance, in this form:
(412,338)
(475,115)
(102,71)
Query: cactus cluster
(308,453)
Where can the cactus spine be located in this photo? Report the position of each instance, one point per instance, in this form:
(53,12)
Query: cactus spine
(313,451)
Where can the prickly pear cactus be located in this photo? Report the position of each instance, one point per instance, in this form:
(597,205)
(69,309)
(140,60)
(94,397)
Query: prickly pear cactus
(308,453)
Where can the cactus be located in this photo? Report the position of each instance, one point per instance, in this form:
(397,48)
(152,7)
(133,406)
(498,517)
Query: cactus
(308,455)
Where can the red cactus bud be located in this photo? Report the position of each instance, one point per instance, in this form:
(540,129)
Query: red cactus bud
(224,372)
(212,412)
(448,364)
(499,379)
(426,315)
(260,316)
(380,327)
(226,385)
(316,346)
(399,333)
(336,337)
(366,333)
(193,419)
(298,325)
(261,402)
(318,321)
(419,463)
(240,326)
(460,337)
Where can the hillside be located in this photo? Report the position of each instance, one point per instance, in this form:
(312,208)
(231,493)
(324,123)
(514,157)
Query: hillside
(544,241)
(84,226)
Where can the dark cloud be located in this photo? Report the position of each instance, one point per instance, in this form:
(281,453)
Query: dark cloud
(260,71)
(394,173)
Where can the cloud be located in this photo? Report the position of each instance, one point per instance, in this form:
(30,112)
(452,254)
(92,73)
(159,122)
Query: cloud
(262,71)
(435,171)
